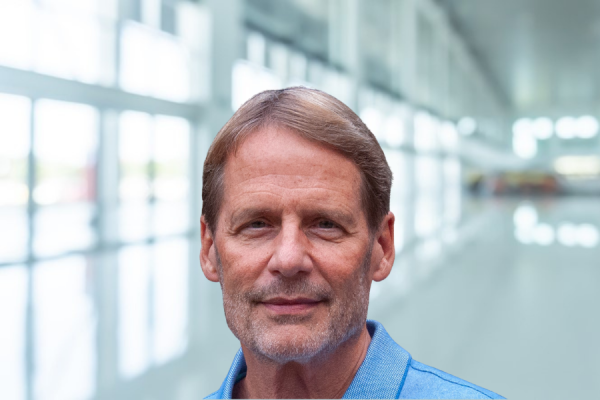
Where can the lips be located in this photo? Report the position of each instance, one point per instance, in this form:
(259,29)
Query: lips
(298,305)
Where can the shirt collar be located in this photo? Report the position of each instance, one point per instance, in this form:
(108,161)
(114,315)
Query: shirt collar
(238,367)
(383,371)
(380,376)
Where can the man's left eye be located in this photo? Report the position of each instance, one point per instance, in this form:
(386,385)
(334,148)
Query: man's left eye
(325,224)
(257,224)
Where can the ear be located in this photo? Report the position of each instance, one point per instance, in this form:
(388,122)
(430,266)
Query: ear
(208,256)
(384,242)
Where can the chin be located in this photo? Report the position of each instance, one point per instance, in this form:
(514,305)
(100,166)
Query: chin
(283,352)
(292,343)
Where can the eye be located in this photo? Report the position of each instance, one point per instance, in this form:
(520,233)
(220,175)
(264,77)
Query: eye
(255,229)
(326,224)
(257,224)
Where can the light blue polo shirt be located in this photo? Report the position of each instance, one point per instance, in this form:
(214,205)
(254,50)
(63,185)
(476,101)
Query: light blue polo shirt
(387,372)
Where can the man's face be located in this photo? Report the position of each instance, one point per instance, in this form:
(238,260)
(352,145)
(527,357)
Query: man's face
(292,246)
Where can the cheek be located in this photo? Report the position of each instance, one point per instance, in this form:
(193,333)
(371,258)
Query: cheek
(343,277)
(241,266)
(342,268)
(339,259)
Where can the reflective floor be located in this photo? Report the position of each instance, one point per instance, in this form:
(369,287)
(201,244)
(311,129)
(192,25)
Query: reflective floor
(509,302)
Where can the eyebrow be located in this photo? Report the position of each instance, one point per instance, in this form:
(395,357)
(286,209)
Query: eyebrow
(246,214)
(341,217)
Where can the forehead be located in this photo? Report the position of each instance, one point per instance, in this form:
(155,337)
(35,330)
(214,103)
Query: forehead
(274,158)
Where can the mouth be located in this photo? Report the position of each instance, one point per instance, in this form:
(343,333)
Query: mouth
(281,306)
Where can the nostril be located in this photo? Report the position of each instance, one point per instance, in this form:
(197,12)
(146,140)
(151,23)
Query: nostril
(290,263)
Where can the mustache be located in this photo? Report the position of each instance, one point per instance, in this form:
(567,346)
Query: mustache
(289,288)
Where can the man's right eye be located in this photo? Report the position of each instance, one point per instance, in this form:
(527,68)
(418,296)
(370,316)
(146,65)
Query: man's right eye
(257,225)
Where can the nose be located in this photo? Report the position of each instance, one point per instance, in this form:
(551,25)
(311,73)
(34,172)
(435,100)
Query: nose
(290,256)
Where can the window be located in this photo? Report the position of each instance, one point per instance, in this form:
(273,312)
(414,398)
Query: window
(13,303)
(452,191)
(425,132)
(14,172)
(169,305)
(65,334)
(134,314)
(170,185)
(70,45)
(154,63)
(68,39)
(250,79)
(135,133)
(152,304)
(73,154)
(428,190)
(16,33)
(154,183)
(65,149)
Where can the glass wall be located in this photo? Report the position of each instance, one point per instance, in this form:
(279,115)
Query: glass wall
(96,146)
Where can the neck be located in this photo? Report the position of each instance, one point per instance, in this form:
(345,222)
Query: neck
(323,378)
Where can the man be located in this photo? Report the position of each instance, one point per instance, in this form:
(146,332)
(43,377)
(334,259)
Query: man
(295,227)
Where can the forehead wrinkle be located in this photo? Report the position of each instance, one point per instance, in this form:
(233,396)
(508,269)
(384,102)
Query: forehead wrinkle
(319,195)
(291,182)
(322,177)
(318,198)
(249,164)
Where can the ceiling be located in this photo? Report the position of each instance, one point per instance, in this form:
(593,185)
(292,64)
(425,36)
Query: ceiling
(543,54)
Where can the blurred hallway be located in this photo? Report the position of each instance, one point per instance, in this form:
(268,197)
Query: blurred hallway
(487,111)
(501,312)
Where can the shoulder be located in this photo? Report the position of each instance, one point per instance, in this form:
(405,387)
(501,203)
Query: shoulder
(423,381)
(214,395)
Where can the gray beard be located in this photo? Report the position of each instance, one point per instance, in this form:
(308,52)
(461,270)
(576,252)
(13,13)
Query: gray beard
(346,316)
